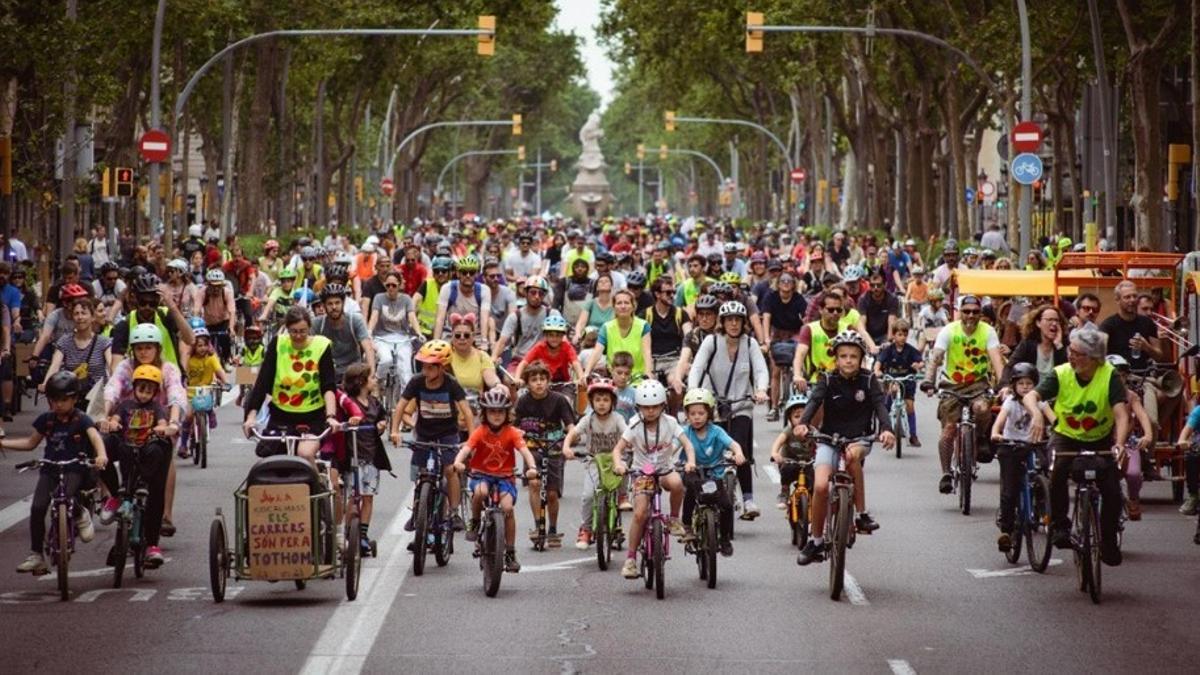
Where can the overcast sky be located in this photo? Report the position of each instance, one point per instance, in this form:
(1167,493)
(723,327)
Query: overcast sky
(581,17)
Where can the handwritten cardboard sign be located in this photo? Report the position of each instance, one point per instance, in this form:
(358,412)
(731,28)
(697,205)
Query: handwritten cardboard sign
(245,375)
(281,538)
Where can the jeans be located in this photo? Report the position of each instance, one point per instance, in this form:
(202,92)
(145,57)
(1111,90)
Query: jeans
(155,458)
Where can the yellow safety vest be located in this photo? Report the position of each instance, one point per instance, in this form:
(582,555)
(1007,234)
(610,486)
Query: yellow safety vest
(169,354)
(819,358)
(967,359)
(849,320)
(631,343)
(1083,411)
(253,356)
(427,311)
(297,387)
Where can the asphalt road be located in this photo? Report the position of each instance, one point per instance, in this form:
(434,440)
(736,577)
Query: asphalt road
(930,593)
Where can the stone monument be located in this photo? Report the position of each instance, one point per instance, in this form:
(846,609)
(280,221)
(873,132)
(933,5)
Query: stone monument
(590,194)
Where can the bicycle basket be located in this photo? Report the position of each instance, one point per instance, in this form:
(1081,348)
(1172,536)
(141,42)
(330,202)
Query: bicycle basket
(782,353)
(203,401)
(609,481)
(1088,468)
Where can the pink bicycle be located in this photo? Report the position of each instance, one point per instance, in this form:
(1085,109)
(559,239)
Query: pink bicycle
(656,538)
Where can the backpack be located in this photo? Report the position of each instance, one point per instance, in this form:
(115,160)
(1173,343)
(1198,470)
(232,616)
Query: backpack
(478,295)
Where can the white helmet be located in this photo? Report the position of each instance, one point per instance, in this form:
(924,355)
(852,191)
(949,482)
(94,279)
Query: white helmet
(178,264)
(649,392)
(853,273)
(372,240)
(732,308)
(215,276)
(195,231)
(368,248)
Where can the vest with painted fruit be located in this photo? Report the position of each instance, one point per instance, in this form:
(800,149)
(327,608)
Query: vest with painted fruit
(1083,411)
(967,360)
(297,387)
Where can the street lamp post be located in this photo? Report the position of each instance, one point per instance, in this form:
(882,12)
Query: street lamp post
(463,155)
(537,185)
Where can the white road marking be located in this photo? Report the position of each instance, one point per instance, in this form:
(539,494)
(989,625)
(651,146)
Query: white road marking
(855,592)
(350,632)
(772,473)
(1009,572)
(901,667)
(15,513)
(556,566)
(139,594)
(98,572)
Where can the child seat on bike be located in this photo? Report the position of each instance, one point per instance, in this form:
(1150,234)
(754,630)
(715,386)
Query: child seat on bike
(284,470)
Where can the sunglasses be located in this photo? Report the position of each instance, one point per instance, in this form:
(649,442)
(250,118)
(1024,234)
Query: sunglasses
(534,291)
(391,285)
(876,285)
(465,273)
(968,312)
(833,310)
(441,272)
(666,290)
(463,336)
(495,276)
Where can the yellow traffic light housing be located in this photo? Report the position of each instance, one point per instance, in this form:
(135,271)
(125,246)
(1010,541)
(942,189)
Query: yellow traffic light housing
(516,124)
(486,46)
(754,36)
(554,165)
(662,151)
(521,153)
(669,119)
(628,168)
(641,151)
(124,182)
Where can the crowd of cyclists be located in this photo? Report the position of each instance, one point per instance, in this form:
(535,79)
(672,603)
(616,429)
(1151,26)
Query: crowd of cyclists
(488,341)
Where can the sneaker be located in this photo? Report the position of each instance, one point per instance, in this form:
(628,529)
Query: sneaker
(154,557)
(510,562)
(108,512)
(456,522)
(1004,542)
(811,553)
(865,523)
(1061,539)
(535,535)
(677,529)
(914,442)
(364,547)
(168,528)
(946,484)
(554,540)
(83,525)
(726,548)
(773,415)
(1134,506)
(1110,556)
(629,570)
(750,510)
(583,539)
(1189,505)
(781,502)
(473,531)
(35,564)
(625,505)
(409,526)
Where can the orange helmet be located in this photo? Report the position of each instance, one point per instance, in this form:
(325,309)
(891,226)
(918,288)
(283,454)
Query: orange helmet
(434,351)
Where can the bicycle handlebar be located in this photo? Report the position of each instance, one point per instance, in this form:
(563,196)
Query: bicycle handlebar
(287,437)
(38,463)
(839,441)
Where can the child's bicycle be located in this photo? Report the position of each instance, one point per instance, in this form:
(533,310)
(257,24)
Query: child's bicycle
(129,537)
(1032,525)
(491,543)
(706,521)
(898,408)
(433,527)
(60,536)
(839,522)
(799,501)
(204,400)
(607,532)
(656,535)
(352,497)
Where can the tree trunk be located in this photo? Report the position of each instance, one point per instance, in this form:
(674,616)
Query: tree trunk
(320,193)
(251,194)
(958,163)
(285,200)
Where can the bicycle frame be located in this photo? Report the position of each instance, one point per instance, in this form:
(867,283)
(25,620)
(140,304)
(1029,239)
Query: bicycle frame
(655,515)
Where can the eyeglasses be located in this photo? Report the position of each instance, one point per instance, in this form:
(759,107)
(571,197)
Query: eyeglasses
(876,285)
(1089,308)
(666,290)
(968,312)
(463,336)
(297,332)
(496,277)
(391,285)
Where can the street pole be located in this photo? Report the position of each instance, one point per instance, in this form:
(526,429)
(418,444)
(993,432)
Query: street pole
(1106,131)
(641,212)
(66,219)
(538,189)
(659,203)
(463,155)
(156,114)
(827,194)
(1026,115)
(391,164)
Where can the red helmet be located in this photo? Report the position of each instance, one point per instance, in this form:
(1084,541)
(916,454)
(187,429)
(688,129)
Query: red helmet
(601,384)
(271,243)
(71,292)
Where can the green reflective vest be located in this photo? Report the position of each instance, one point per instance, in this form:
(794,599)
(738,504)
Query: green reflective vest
(297,386)
(631,342)
(1083,412)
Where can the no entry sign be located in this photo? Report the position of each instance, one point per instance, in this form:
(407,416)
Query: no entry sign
(1027,137)
(155,146)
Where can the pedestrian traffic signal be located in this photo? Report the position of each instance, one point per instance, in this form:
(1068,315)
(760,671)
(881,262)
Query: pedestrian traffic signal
(516,124)
(486,45)
(662,152)
(669,118)
(124,182)
(754,38)
(521,152)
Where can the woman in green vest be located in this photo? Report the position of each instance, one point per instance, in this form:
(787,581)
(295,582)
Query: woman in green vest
(297,372)
(625,333)
(1090,415)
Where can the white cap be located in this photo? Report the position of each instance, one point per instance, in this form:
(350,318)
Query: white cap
(195,231)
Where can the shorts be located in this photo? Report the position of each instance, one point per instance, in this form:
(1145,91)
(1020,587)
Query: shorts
(950,410)
(420,454)
(507,486)
(554,471)
(368,479)
(827,455)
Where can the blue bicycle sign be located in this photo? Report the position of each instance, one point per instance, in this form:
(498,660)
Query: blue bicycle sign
(1026,168)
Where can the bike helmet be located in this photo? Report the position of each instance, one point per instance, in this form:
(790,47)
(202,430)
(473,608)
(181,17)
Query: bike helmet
(145,334)
(604,257)
(467,263)
(732,308)
(109,266)
(988,253)
(649,392)
(917,269)
(178,264)
(707,303)
(338,272)
(343,258)
(853,273)
(699,395)
(732,247)
(539,283)
(635,278)
(201,332)
(732,278)
(758,257)
(951,246)
(434,351)
(270,244)
(71,292)
(910,242)
(720,288)
(252,331)
(62,384)
(286,274)
(715,259)
(970,251)
(146,283)
(319,251)
(1115,360)
(1028,370)
(554,324)
(602,384)
(333,291)
(495,399)
(195,231)
(304,296)
(797,400)
(848,337)
(442,263)
(308,253)
(372,240)
(148,372)
(936,294)
(215,276)
(195,322)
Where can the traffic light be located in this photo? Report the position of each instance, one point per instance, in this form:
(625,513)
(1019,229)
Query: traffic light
(358,188)
(521,153)
(754,38)
(669,118)
(486,46)
(641,151)
(554,165)
(628,168)
(106,188)
(1037,190)
(516,124)
(662,152)
(124,181)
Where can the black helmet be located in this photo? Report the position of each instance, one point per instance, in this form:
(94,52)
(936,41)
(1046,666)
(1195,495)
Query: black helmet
(715,258)
(109,266)
(338,271)
(62,385)
(146,283)
(333,291)
(707,302)
(604,257)
(1023,370)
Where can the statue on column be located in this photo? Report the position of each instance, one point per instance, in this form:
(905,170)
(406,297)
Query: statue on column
(590,193)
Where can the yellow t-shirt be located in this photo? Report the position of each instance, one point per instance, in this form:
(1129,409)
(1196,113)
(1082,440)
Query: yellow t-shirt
(918,292)
(468,370)
(202,370)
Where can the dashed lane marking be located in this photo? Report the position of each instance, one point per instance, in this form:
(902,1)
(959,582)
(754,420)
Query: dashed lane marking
(855,592)
(901,667)
(15,513)
(1009,572)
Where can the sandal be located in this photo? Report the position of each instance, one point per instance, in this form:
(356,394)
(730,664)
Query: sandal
(168,528)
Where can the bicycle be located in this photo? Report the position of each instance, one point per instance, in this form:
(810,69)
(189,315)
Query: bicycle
(391,385)
(839,520)
(546,452)
(434,528)
(60,536)
(607,532)
(130,520)
(352,497)
(706,522)
(799,501)
(963,468)
(1032,526)
(1086,539)
(204,400)
(898,408)
(783,353)
(491,543)
(722,417)
(656,538)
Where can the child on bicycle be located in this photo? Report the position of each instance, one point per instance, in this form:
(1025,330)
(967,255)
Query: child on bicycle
(651,398)
(622,371)
(68,433)
(555,352)
(1140,438)
(204,369)
(598,430)
(850,397)
(359,384)
(545,417)
(709,443)
(492,449)
(789,445)
(1013,424)
(252,355)
(900,359)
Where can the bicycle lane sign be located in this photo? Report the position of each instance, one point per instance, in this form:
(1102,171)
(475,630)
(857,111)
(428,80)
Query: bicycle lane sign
(1026,168)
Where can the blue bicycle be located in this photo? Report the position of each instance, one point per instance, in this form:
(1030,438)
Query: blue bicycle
(1032,525)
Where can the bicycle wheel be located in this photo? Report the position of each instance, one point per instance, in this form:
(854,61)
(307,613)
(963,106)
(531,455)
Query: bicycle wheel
(493,553)
(352,558)
(731,485)
(1013,554)
(600,506)
(218,563)
(1037,530)
(202,442)
(657,561)
(137,542)
(63,563)
(710,547)
(966,464)
(841,534)
(1093,549)
(120,551)
(443,546)
(898,425)
(1079,525)
(421,523)
(798,513)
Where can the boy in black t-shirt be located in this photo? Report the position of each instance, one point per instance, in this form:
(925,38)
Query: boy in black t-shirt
(900,359)
(545,417)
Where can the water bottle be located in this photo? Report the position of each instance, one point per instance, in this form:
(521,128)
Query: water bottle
(1135,352)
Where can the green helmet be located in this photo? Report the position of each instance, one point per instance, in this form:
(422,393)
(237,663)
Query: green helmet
(287,273)
(732,278)
(467,263)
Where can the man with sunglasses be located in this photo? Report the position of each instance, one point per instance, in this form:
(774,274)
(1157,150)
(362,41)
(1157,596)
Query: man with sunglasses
(426,297)
(813,355)
(464,295)
(110,290)
(504,299)
(968,350)
(523,328)
(879,308)
(171,323)
(524,262)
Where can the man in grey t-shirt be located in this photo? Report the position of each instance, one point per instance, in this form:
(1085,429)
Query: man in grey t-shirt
(348,333)
(524,328)
(504,300)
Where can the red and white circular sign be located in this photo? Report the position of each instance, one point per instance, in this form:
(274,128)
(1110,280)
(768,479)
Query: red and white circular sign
(1027,137)
(387,186)
(155,146)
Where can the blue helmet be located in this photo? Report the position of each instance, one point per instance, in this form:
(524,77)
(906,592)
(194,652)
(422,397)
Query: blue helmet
(196,322)
(304,295)
(554,324)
